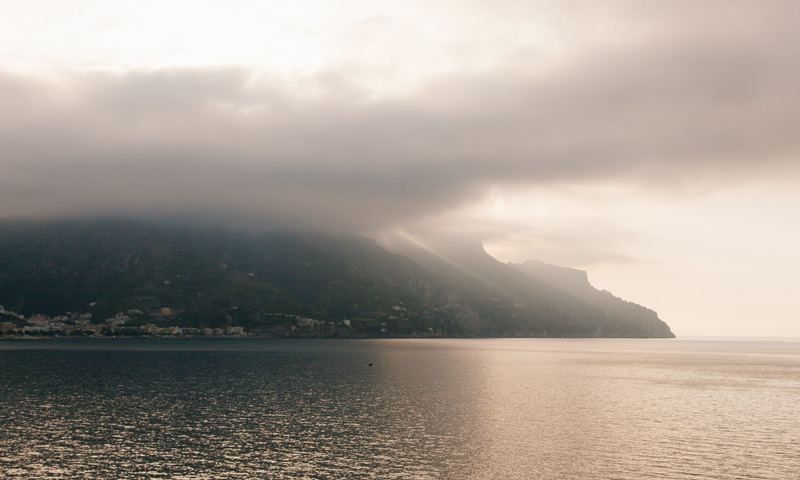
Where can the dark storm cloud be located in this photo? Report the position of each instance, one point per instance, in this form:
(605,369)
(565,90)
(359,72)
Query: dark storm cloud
(320,151)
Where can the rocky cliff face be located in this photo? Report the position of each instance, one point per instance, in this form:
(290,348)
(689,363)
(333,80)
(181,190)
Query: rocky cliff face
(570,280)
(559,301)
(576,283)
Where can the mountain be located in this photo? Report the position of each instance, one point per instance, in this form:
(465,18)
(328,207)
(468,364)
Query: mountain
(288,283)
(576,283)
(531,299)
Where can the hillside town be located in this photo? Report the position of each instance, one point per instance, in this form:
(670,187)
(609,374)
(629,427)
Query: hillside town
(156,323)
(132,322)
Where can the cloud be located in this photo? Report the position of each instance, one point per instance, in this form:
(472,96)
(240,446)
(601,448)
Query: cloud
(705,105)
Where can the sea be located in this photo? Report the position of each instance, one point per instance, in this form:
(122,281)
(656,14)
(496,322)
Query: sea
(124,408)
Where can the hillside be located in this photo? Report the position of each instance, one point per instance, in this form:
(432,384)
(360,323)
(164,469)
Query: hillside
(267,281)
(549,300)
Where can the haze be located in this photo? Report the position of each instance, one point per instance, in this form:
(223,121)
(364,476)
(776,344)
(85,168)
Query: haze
(653,144)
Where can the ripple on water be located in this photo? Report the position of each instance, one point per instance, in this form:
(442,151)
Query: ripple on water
(428,409)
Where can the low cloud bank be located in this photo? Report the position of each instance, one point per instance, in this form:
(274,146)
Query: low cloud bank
(319,151)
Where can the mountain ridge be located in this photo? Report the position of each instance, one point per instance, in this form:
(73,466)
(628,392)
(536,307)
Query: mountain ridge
(544,292)
(265,280)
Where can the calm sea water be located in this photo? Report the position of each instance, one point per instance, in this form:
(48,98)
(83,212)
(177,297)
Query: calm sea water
(473,409)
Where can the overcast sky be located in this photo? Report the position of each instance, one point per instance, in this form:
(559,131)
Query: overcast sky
(654,144)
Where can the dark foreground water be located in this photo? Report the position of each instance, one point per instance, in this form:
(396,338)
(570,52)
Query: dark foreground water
(482,409)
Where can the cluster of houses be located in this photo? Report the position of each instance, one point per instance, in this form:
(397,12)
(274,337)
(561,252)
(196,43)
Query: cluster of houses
(152,323)
(74,323)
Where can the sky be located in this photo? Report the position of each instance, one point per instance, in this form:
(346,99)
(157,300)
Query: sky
(653,144)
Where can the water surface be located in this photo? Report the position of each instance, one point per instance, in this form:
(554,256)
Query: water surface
(505,408)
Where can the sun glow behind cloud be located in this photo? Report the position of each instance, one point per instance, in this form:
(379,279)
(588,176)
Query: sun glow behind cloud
(103,34)
(390,46)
